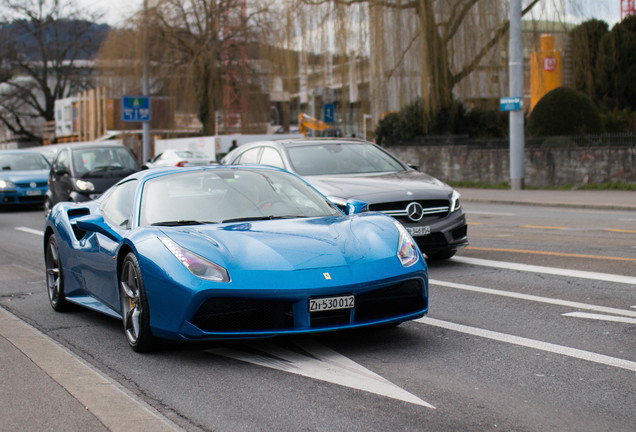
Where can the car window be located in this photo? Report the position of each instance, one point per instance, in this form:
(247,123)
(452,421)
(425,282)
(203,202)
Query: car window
(117,206)
(250,156)
(90,160)
(271,157)
(341,158)
(62,162)
(23,162)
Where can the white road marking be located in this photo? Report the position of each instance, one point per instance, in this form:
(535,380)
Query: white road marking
(491,213)
(532,343)
(630,280)
(548,300)
(599,317)
(30,231)
(321,363)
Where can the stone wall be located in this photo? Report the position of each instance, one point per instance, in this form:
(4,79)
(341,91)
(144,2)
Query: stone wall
(543,167)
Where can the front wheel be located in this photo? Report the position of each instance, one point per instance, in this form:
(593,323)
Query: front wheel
(55,276)
(134,306)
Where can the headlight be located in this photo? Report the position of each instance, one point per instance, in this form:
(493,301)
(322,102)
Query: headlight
(6,184)
(198,266)
(406,251)
(455,204)
(84,185)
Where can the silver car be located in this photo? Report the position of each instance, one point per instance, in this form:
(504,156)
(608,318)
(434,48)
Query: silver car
(180,158)
(345,169)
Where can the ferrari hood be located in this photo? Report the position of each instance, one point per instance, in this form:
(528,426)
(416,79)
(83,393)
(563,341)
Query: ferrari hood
(292,244)
(374,188)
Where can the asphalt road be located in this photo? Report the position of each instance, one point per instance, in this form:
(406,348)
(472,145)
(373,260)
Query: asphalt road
(531,328)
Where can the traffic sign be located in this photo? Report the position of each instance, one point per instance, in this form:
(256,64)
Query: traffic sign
(135,109)
(328,114)
(510,104)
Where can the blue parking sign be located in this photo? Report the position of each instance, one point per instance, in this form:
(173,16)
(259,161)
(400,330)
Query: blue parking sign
(135,109)
(328,113)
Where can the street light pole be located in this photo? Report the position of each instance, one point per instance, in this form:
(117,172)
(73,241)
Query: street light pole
(145,153)
(515,74)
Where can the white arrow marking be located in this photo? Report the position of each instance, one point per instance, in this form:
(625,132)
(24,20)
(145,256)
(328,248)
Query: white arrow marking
(320,363)
(600,317)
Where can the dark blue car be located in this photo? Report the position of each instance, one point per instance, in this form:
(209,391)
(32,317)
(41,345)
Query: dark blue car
(23,177)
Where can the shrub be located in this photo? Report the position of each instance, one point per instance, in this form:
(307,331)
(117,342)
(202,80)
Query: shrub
(564,111)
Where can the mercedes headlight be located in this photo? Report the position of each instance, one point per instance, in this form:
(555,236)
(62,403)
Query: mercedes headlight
(196,264)
(406,251)
(455,204)
(6,184)
(84,185)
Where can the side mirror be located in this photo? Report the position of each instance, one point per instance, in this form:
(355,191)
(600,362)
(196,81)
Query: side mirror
(96,223)
(415,167)
(355,206)
(60,171)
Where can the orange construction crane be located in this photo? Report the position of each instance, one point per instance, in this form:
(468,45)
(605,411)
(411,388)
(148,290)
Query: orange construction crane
(311,126)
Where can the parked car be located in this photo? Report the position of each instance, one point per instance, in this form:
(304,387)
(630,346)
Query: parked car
(23,177)
(345,169)
(82,172)
(180,158)
(223,252)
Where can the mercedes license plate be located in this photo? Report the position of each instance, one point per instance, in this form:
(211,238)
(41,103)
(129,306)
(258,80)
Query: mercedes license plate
(331,303)
(417,231)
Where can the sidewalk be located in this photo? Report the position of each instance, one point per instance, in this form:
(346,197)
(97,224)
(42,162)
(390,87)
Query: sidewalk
(591,199)
(44,387)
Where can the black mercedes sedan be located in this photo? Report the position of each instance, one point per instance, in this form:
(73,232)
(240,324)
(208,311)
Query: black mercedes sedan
(343,168)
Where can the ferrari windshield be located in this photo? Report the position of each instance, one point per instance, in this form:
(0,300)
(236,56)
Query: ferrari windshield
(341,158)
(229,195)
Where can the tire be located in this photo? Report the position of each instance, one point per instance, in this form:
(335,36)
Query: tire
(442,255)
(55,276)
(134,306)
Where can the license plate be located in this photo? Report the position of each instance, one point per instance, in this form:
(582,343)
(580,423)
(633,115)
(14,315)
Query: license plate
(331,303)
(417,231)
(35,192)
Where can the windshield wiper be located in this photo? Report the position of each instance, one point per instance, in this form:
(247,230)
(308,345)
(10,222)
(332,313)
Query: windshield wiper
(257,218)
(182,222)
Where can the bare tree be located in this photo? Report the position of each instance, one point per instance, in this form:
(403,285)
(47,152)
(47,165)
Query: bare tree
(191,46)
(45,46)
(433,44)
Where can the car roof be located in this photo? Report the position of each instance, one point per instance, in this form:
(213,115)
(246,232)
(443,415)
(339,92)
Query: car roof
(312,141)
(163,171)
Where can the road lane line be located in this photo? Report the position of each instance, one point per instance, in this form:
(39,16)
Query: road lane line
(547,300)
(30,231)
(532,343)
(543,227)
(562,254)
(620,230)
(600,317)
(491,213)
(606,277)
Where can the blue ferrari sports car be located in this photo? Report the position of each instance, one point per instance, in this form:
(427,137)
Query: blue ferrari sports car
(230,252)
